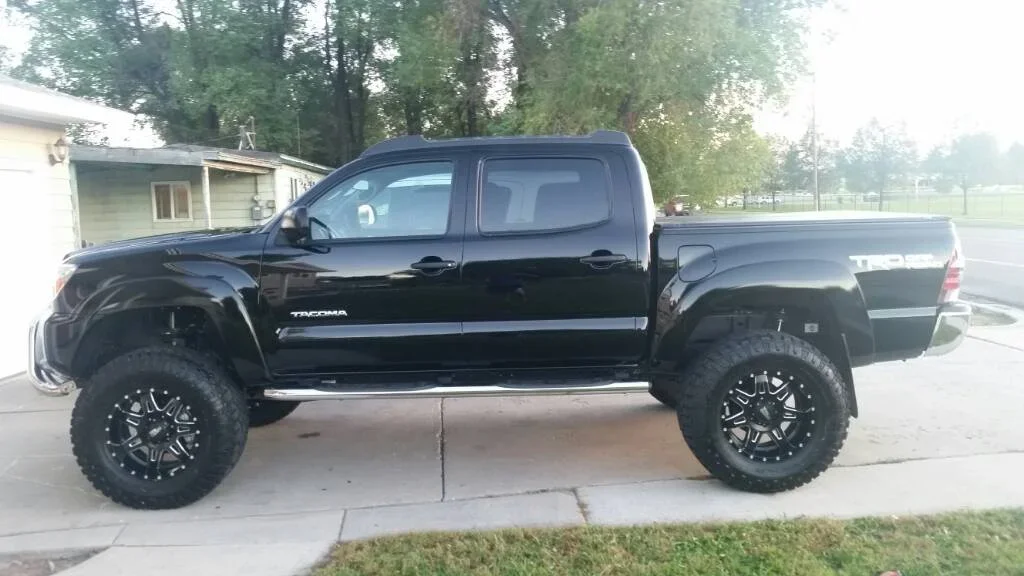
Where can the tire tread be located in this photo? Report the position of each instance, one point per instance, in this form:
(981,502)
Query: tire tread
(225,398)
(702,377)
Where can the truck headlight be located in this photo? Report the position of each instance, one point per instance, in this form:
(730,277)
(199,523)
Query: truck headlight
(64,272)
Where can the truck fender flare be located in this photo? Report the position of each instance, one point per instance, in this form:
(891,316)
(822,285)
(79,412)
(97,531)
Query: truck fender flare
(222,302)
(762,285)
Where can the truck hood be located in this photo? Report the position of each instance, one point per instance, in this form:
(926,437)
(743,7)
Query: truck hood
(159,241)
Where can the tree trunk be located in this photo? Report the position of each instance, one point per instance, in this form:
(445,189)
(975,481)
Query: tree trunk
(963,186)
(413,109)
(627,116)
(343,102)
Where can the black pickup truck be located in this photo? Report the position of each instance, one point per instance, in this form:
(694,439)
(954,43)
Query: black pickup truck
(491,266)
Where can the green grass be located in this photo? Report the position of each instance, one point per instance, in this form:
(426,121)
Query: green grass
(983,544)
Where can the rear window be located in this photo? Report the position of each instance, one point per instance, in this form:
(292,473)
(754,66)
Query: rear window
(543,194)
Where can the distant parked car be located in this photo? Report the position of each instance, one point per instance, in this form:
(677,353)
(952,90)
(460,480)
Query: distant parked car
(679,206)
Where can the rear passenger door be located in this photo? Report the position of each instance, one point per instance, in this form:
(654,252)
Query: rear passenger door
(550,269)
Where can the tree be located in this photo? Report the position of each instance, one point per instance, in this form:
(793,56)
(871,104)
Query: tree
(326,78)
(879,156)
(796,169)
(970,160)
(1013,164)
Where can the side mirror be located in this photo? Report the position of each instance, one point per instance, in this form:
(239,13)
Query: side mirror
(295,225)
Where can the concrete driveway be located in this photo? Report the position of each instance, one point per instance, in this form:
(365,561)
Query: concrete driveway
(934,434)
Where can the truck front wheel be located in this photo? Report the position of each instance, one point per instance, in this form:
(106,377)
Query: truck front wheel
(764,411)
(158,427)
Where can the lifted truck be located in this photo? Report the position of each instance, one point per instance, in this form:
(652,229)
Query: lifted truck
(491,266)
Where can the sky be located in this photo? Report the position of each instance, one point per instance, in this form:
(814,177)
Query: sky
(942,67)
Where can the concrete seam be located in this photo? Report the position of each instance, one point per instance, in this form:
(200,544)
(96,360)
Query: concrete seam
(9,467)
(32,411)
(341,529)
(581,505)
(119,534)
(996,343)
(440,452)
(891,461)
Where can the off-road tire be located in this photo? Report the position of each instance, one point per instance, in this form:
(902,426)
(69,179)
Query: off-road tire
(267,412)
(706,382)
(660,391)
(218,405)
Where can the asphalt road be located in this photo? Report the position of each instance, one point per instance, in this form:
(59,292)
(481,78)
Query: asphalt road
(995,263)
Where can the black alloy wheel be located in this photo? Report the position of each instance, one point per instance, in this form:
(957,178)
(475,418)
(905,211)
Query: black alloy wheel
(764,411)
(768,417)
(152,434)
(158,427)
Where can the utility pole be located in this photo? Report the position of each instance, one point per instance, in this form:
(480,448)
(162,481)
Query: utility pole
(814,139)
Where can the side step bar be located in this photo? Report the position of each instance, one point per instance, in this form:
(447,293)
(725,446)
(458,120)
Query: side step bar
(306,394)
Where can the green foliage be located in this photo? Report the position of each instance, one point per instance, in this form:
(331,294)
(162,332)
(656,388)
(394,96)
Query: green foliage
(326,78)
(879,156)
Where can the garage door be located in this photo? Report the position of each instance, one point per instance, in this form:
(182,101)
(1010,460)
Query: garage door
(26,251)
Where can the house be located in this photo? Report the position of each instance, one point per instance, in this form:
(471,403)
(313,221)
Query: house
(132,192)
(40,226)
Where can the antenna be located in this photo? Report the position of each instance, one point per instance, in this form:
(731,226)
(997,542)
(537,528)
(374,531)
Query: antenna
(247,135)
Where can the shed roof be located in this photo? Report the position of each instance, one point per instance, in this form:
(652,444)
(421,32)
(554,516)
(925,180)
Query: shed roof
(193,155)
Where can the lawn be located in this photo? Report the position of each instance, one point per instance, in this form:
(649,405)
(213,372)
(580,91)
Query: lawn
(999,207)
(968,543)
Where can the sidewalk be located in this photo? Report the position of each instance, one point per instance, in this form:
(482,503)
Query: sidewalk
(934,434)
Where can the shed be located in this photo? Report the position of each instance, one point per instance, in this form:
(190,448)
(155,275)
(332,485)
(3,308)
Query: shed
(133,192)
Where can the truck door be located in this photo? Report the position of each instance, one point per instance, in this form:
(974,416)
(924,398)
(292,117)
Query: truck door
(550,263)
(377,288)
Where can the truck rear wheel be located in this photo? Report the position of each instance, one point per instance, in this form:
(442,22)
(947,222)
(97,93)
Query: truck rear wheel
(158,428)
(267,412)
(764,411)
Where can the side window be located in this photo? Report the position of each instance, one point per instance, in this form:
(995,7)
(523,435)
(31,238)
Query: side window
(542,194)
(388,202)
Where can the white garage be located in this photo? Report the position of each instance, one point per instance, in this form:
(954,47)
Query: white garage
(37,199)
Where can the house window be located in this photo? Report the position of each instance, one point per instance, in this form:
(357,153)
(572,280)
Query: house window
(172,201)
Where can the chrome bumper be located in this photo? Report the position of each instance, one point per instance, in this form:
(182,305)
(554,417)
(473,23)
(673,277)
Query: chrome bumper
(950,328)
(43,377)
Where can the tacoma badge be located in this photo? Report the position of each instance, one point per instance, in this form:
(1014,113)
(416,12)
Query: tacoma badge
(319,314)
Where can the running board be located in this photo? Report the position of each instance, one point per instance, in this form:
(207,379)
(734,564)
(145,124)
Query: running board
(306,394)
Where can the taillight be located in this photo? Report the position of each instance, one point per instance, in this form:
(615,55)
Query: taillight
(954,276)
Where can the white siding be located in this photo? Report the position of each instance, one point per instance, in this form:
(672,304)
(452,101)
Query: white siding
(37,234)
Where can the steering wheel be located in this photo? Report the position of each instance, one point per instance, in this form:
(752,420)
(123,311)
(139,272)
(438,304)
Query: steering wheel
(331,233)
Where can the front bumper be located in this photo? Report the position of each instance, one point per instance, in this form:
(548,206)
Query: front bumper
(43,376)
(950,328)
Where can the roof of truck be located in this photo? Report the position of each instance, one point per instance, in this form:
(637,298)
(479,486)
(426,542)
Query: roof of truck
(417,142)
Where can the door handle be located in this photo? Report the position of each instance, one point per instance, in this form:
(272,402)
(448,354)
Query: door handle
(603,259)
(433,265)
